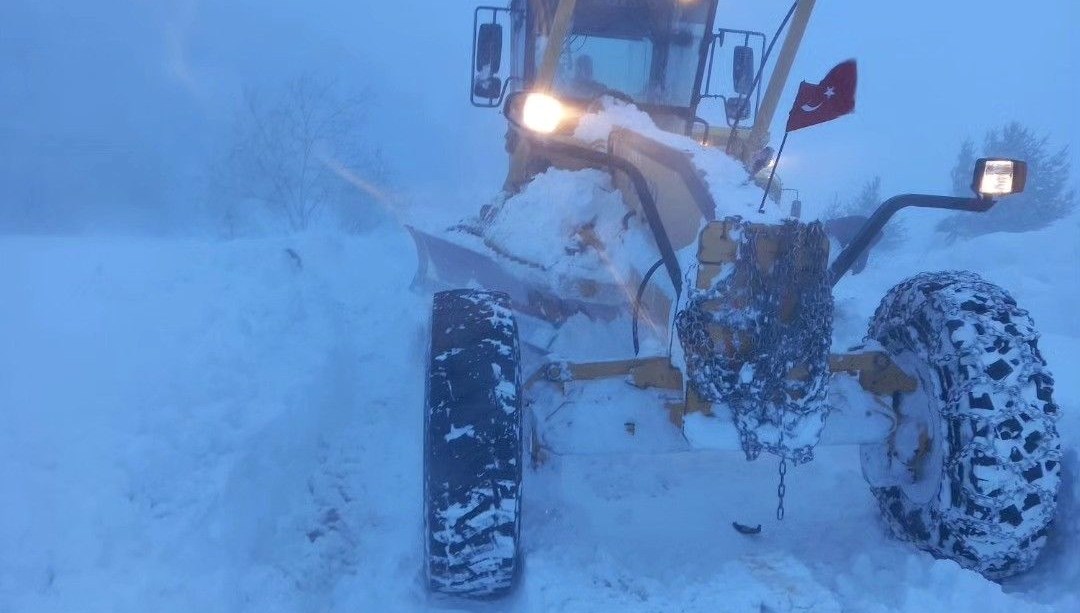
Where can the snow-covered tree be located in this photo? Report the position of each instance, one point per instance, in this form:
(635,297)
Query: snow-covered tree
(300,151)
(863,204)
(961,172)
(1046,198)
(869,197)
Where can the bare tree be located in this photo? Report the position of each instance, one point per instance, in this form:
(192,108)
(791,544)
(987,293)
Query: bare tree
(293,150)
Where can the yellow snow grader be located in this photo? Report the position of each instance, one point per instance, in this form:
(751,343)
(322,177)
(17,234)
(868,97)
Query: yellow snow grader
(613,177)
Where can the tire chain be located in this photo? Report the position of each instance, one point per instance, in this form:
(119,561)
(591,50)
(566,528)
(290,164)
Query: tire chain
(770,409)
(1014,408)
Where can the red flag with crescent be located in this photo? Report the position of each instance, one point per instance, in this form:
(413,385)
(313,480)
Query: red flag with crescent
(825,101)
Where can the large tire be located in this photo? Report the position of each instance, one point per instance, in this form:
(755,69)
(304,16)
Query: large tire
(473,445)
(988,393)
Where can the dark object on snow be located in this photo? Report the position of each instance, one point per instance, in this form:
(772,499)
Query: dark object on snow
(744,529)
(983,490)
(844,229)
(473,445)
(295,257)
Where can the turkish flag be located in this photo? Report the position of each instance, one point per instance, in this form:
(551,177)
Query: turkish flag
(833,97)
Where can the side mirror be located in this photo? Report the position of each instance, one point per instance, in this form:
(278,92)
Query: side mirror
(489,42)
(998,177)
(488,54)
(487,86)
(796,208)
(737,108)
(742,70)
(490,87)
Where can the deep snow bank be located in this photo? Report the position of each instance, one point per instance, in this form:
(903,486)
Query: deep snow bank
(193,426)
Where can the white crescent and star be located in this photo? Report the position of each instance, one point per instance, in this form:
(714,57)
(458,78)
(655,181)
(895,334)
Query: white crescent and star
(810,108)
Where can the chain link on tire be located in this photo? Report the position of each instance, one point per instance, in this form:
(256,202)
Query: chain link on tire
(991,393)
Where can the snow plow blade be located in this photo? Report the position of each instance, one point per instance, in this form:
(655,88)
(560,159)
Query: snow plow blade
(443,264)
(646,172)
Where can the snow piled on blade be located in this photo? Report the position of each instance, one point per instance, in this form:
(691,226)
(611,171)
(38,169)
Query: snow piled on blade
(543,225)
(569,226)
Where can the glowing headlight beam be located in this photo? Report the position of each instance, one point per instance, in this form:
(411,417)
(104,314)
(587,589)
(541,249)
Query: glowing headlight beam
(542,113)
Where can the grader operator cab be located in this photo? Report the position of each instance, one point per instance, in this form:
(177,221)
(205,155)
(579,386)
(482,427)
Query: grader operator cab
(655,53)
(948,396)
(665,57)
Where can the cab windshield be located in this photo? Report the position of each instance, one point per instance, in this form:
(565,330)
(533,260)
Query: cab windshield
(649,53)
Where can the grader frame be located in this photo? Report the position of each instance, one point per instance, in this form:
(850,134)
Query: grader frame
(663,185)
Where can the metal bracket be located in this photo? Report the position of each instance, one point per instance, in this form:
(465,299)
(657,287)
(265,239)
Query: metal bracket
(644,373)
(878,374)
(884,213)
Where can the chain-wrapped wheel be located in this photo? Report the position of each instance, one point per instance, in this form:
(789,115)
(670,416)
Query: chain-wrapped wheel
(975,458)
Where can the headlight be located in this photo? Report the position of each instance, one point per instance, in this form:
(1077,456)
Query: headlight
(542,113)
(996,178)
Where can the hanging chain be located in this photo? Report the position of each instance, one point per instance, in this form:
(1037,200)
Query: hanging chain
(781,488)
(757,387)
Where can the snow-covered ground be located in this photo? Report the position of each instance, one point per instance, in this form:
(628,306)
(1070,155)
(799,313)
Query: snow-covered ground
(198,425)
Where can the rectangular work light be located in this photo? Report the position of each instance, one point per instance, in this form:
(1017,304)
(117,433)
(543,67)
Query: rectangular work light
(995,178)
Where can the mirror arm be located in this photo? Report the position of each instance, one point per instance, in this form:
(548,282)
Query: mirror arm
(800,16)
(754,134)
(884,213)
(709,64)
(708,128)
(495,12)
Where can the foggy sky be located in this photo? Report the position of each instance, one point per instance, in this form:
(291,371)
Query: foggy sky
(113,110)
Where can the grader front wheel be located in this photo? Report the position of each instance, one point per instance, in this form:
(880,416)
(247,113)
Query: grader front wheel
(473,446)
(975,455)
